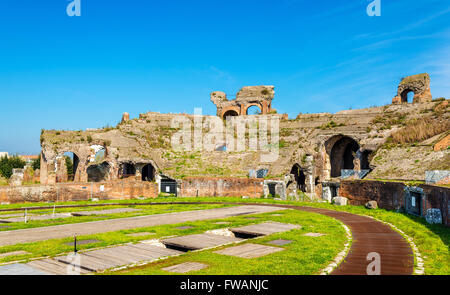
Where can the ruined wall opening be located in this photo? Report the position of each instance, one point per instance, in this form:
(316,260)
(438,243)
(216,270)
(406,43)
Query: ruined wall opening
(230,113)
(299,176)
(148,173)
(98,172)
(66,167)
(407,96)
(254,110)
(128,170)
(343,155)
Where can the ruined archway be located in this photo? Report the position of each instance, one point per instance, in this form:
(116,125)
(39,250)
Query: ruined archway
(300,177)
(67,167)
(230,113)
(343,153)
(253,109)
(98,172)
(148,173)
(419,85)
(128,170)
(407,96)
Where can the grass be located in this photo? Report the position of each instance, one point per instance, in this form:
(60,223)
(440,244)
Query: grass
(419,130)
(305,255)
(432,240)
(145,210)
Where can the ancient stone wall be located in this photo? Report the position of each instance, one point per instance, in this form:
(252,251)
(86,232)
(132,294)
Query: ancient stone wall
(221,187)
(260,96)
(419,84)
(392,195)
(119,189)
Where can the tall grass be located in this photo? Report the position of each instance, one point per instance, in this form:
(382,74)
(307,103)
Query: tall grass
(420,129)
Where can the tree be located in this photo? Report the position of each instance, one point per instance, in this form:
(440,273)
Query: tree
(69,165)
(7,164)
(36,164)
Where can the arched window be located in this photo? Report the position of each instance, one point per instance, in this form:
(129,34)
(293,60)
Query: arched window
(343,155)
(253,110)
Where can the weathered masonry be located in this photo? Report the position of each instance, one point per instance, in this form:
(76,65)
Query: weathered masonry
(248,97)
(419,85)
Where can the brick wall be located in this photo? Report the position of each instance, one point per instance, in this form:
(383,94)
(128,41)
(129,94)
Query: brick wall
(221,187)
(391,195)
(78,191)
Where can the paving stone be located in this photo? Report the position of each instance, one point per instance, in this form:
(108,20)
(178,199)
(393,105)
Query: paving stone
(313,235)
(36,217)
(143,234)
(13,253)
(83,242)
(94,227)
(265,228)
(105,212)
(185,267)
(249,251)
(199,241)
(279,242)
(20,269)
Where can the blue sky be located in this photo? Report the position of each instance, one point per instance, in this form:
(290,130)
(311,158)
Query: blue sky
(61,72)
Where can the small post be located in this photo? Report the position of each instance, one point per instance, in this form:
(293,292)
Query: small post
(26,216)
(75,244)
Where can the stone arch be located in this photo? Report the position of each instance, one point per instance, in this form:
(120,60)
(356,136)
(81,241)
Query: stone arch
(233,111)
(148,172)
(405,97)
(98,172)
(251,105)
(418,84)
(127,170)
(299,176)
(342,152)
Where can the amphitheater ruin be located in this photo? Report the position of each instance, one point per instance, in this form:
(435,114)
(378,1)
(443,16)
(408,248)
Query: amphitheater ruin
(321,156)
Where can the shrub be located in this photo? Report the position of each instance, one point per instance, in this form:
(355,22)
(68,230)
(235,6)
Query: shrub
(7,164)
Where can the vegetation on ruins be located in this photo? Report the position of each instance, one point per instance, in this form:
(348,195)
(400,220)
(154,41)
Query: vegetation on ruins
(7,164)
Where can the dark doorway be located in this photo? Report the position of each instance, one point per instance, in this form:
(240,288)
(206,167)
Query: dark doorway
(415,203)
(300,177)
(169,186)
(148,173)
(128,170)
(343,155)
(97,173)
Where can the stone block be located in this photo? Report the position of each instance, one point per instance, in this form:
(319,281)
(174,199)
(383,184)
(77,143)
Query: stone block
(371,205)
(340,201)
(434,216)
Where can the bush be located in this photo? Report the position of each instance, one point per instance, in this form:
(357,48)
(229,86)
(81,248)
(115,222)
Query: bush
(7,164)
(36,164)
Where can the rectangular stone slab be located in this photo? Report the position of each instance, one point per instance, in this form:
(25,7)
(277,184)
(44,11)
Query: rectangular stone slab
(105,212)
(263,229)
(52,266)
(88,228)
(185,267)
(20,269)
(249,250)
(199,241)
(36,217)
(103,259)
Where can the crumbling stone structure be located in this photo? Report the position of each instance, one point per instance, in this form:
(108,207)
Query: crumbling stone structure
(418,84)
(260,96)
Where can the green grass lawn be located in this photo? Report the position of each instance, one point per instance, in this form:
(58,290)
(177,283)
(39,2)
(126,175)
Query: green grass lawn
(432,240)
(145,210)
(304,256)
